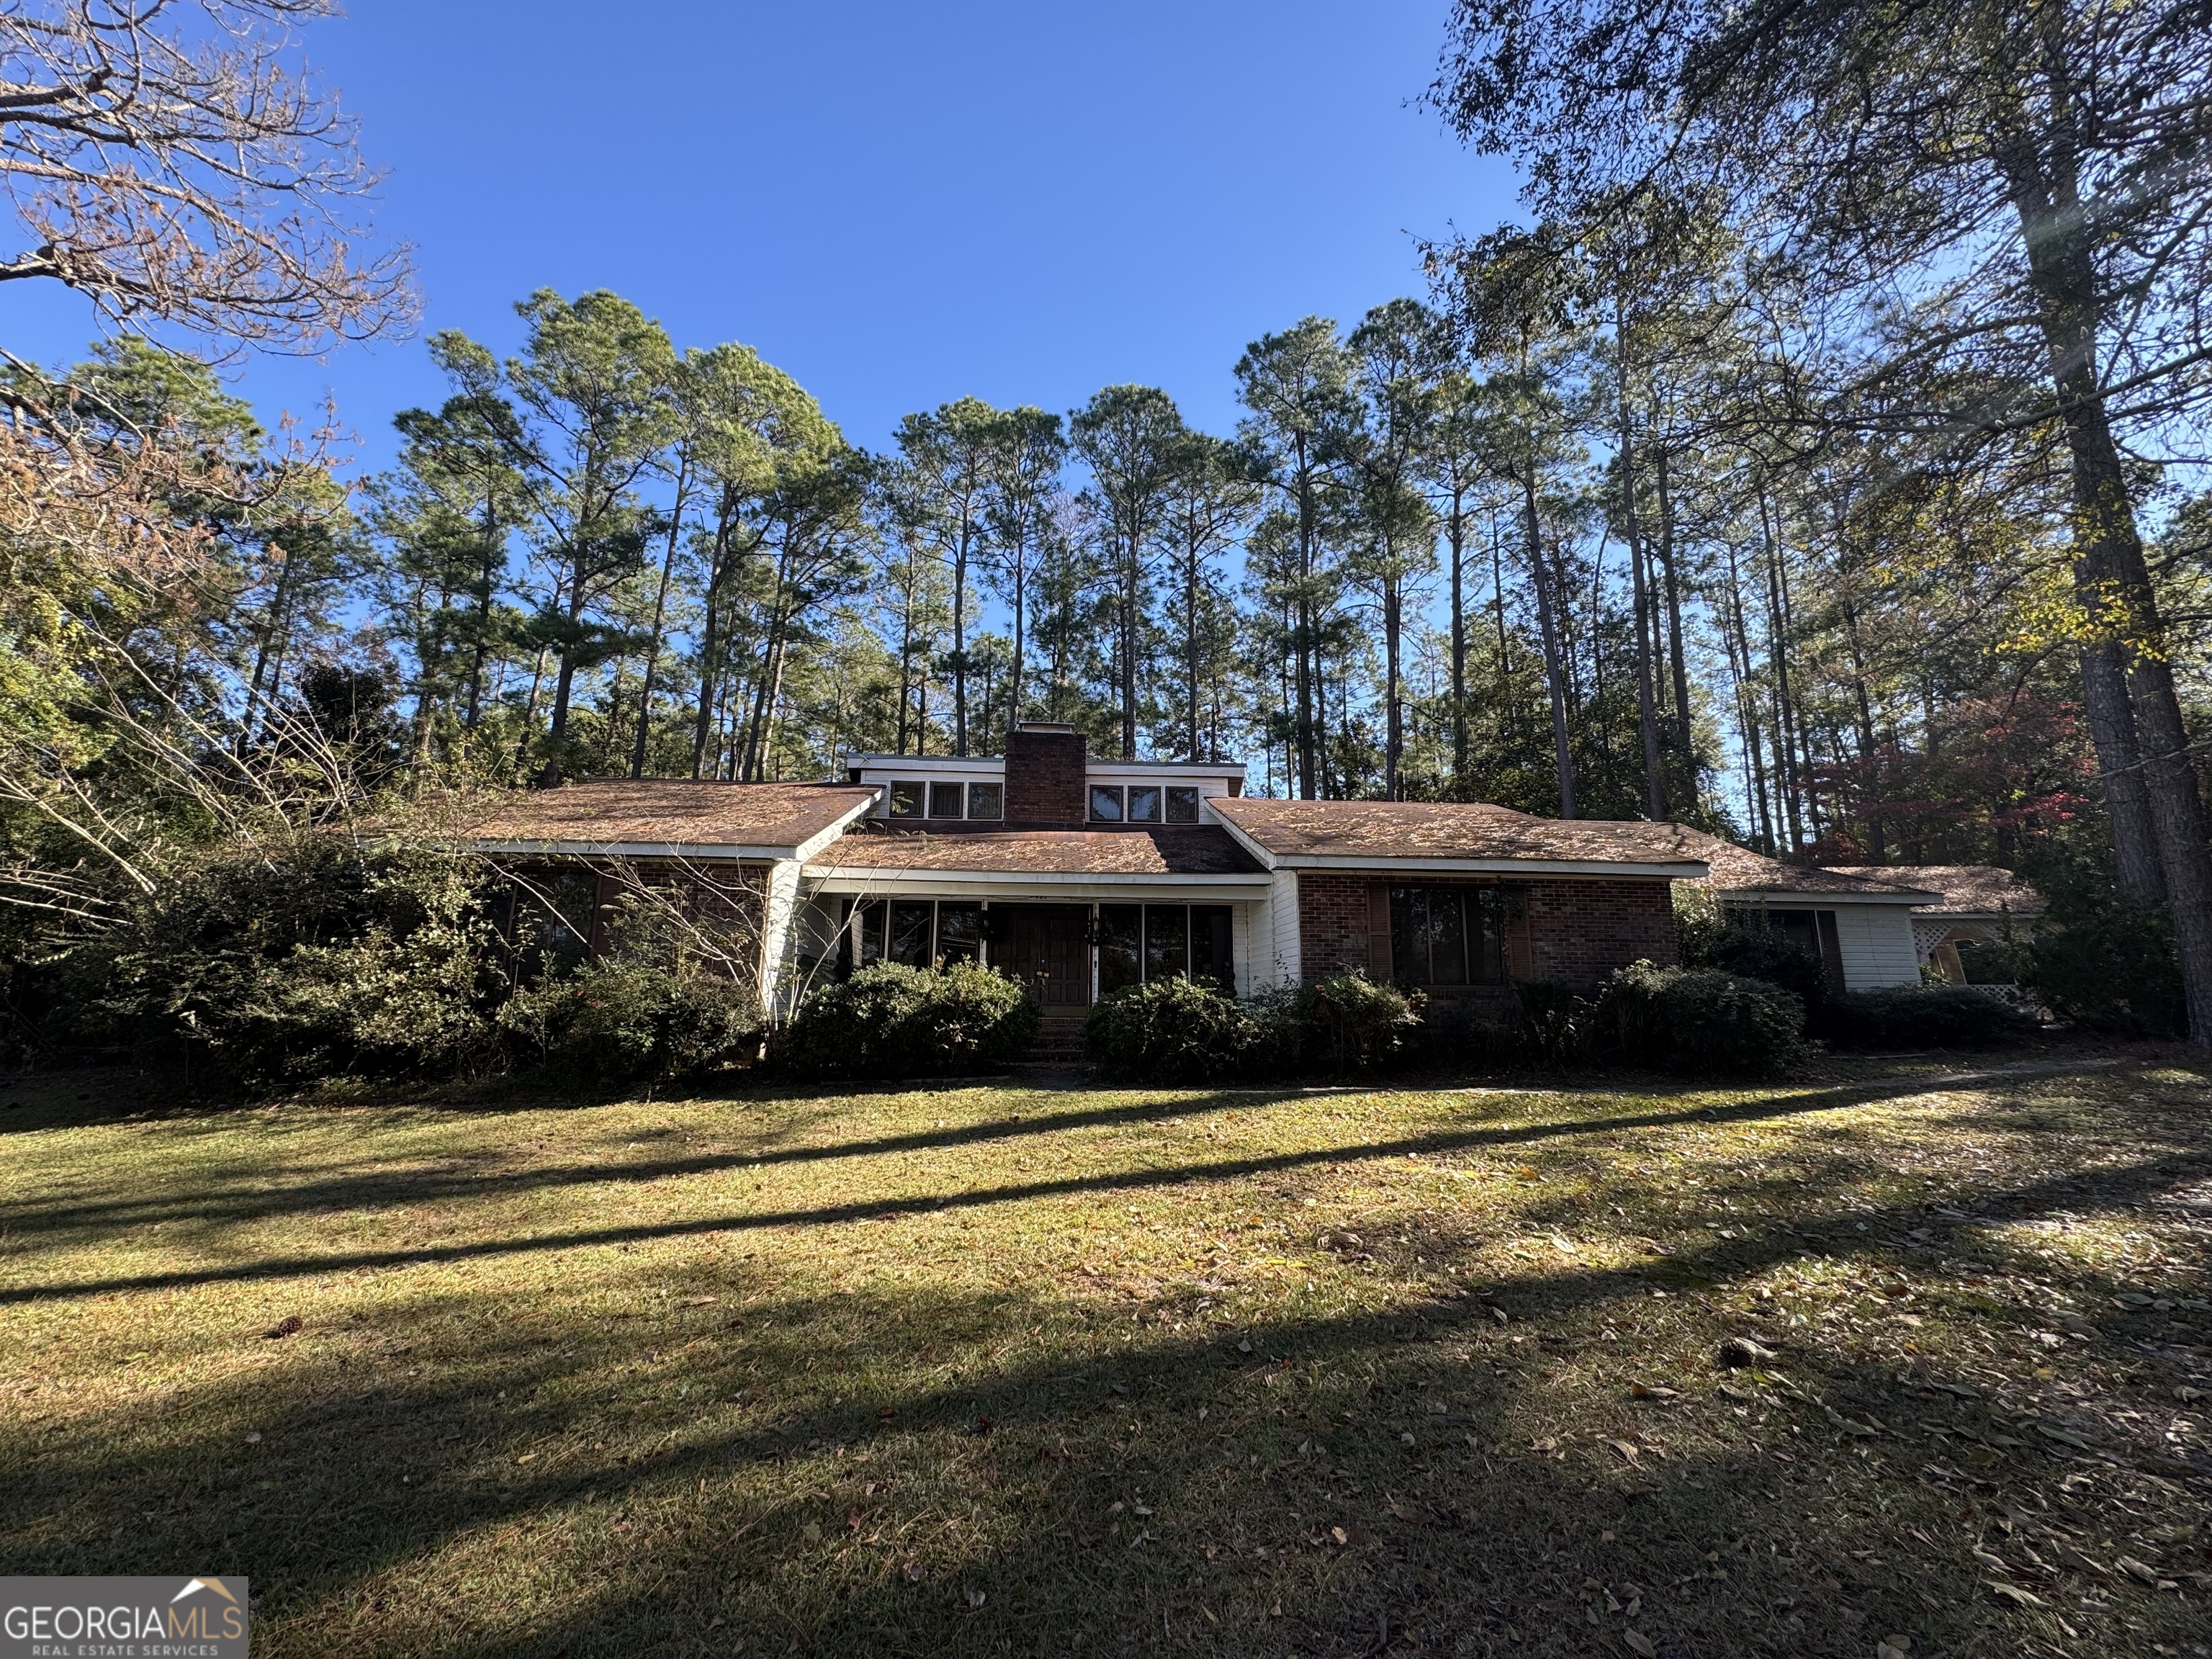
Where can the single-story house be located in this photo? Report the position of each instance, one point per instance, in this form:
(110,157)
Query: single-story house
(1975,904)
(1860,924)
(1079,877)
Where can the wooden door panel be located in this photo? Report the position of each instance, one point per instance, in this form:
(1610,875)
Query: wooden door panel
(1047,948)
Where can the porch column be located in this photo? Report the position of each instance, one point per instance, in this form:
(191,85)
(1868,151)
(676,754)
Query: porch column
(779,907)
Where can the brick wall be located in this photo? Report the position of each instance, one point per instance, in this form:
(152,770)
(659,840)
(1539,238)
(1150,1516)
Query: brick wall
(1332,923)
(1580,931)
(1045,779)
(1576,931)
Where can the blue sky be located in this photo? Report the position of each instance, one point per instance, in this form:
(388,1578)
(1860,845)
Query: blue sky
(898,205)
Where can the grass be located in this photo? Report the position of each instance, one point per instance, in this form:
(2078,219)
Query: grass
(1001,1369)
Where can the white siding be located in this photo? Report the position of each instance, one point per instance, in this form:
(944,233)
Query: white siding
(1268,938)
(1877,944)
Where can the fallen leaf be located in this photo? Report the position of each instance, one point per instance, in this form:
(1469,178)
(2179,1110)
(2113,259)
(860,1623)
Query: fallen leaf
(2136,1569)
(289,1325)
(1339,1534)
(253,1436)
(1640,1644)
(2015,1594)
(975,1598)
(526,1457)
(1626,1448)
(812,1532)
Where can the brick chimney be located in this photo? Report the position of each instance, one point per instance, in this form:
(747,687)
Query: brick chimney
(1045,776)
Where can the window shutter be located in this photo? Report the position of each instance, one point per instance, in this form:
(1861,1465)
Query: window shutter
(1379,967)
(1520,940)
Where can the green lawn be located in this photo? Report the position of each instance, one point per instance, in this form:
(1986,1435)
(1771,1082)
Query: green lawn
(995,1370)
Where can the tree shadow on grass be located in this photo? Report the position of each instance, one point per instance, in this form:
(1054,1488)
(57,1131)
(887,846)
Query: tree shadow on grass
(785,1470)
(212,1207)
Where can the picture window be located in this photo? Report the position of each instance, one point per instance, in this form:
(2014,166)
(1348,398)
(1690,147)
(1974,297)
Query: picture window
(1106,804)
(907,800)
(1144,804)
(1182,805)
(986,800)
(944,800)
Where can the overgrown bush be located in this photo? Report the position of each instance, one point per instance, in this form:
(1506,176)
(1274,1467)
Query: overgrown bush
(891,1021)
(1699,1019)
(2103,959)
(1457,1034)
(296,959)
(1174,1030)
(1924,1017)
(1345,1021)
(631,1022)
(1551,1016)
(1751,950)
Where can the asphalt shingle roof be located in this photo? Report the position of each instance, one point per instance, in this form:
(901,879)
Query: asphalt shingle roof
(1964,889)
(1437,829)
(1739,870)
(665,812)
(1169,850)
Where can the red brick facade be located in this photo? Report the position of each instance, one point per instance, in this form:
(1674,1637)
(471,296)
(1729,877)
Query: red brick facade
(1575,931)
(1580,931)
(1332,923)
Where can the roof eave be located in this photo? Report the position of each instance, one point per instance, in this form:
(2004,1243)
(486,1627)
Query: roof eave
(1810,894)
(1687,870)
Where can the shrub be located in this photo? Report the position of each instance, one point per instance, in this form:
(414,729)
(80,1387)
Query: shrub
(1924,1017)
(627,1021)
(1751,950)
(891,1021)
(290,960)
(1551,1016)
(1455,1033)
(1348,1021)
(2103,959)
(1173,1031)
(1700,1019)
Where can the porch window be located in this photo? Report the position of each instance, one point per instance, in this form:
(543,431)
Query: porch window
(1121,928)
(1446,935)
(1144,804)
(959,934)
(910,934)
(919,933)
(907,800)
(1167,941)
(1141,942)
(986,800)
(944,800)
(1106,803)
(1182,805)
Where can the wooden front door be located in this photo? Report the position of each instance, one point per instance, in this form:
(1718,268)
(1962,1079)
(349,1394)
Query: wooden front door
(1047,948)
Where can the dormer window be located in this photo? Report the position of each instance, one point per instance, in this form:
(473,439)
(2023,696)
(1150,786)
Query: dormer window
(1143,803)
(1182,804)
(1106,803)
(907,800)
(944,800)
(986,800)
